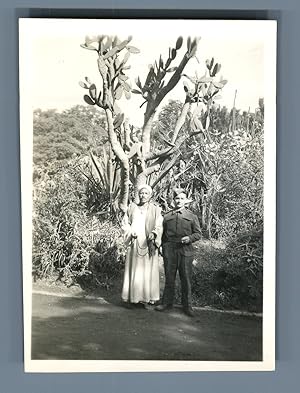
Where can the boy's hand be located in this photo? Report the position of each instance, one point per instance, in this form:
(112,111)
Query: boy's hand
(185,240)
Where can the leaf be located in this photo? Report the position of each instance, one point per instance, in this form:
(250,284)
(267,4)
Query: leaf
(118,120)
(194,44)
(179,43)
(219,67)
(88,100)
(172,69)
(90,47)
(168,62)
(98,169)
(192,79)
(123,77)
(205,79)
(215,69)
(133,49)
(89,40)
(118,93)
(173,53)
(88,80)
(122,45)
(83,85)
(116,41)
(101,45)
(218,85)
(117,63)
(127,95)
(108,43)
(198,123)
(93,91)
(111,53)
(193,51)
(126,87)
(224,81)
(126,57)
(211,63)
(186,87)
(138,82)
(207,122)
(189,44)
(116,108)
(134,91)
(161,63)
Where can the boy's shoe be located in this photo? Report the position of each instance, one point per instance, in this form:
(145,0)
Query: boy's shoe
(163,307)
(189,311)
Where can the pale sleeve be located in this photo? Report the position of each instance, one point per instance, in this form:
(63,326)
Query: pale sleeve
(126,226)
(158,227)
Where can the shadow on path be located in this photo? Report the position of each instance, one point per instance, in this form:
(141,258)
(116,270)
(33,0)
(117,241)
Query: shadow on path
(84,329)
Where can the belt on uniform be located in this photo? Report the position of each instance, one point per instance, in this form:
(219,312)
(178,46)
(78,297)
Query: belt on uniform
(176,241)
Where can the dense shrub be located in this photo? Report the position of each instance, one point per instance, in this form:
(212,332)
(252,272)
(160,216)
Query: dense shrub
(67,236)
(230,277)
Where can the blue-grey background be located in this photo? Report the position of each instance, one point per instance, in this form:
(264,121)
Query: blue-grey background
(286,377)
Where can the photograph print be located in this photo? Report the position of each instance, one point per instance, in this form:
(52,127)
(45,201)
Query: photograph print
(148,194)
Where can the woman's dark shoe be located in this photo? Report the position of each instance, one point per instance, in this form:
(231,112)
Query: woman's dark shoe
(148,306)
(127,305)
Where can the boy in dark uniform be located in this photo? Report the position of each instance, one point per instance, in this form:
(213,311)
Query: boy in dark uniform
(180,229)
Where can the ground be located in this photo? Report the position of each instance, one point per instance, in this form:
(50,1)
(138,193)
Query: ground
(68,326)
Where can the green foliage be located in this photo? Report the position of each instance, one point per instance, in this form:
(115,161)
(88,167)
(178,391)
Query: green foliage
(62,136)
(106,174)
(222,172)
(230,277)
(66,235)
(164,126)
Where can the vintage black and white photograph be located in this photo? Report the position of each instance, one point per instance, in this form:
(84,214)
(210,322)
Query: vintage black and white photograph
(148,194)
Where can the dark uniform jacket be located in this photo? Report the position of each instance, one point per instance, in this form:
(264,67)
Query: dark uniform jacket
(178,224)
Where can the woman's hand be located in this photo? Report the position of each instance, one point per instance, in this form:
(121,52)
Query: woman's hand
(151,236)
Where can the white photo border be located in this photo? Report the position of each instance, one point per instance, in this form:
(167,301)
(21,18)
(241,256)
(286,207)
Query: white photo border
(267,30)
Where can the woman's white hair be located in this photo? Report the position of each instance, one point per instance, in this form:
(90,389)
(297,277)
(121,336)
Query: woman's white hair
(146,186)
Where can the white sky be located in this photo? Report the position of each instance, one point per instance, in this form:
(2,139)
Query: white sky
(58,62)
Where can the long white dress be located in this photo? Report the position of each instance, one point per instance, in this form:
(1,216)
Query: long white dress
(141,277)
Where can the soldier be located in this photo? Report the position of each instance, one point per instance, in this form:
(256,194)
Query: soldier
(180,229)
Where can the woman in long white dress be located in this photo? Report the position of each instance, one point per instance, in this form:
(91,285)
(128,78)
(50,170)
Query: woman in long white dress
(142,228)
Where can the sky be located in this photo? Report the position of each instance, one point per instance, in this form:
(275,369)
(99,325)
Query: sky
(56,62)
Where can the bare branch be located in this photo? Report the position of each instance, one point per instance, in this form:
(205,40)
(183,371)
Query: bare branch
(160,153)
(167,169)
(181,119)
(153,102)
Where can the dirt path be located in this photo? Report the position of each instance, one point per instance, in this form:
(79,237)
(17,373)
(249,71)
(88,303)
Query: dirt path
(73,328)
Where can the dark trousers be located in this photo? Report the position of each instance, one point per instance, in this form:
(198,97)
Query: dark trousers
(173,261)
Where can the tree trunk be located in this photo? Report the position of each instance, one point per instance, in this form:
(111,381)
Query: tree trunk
(123,158)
